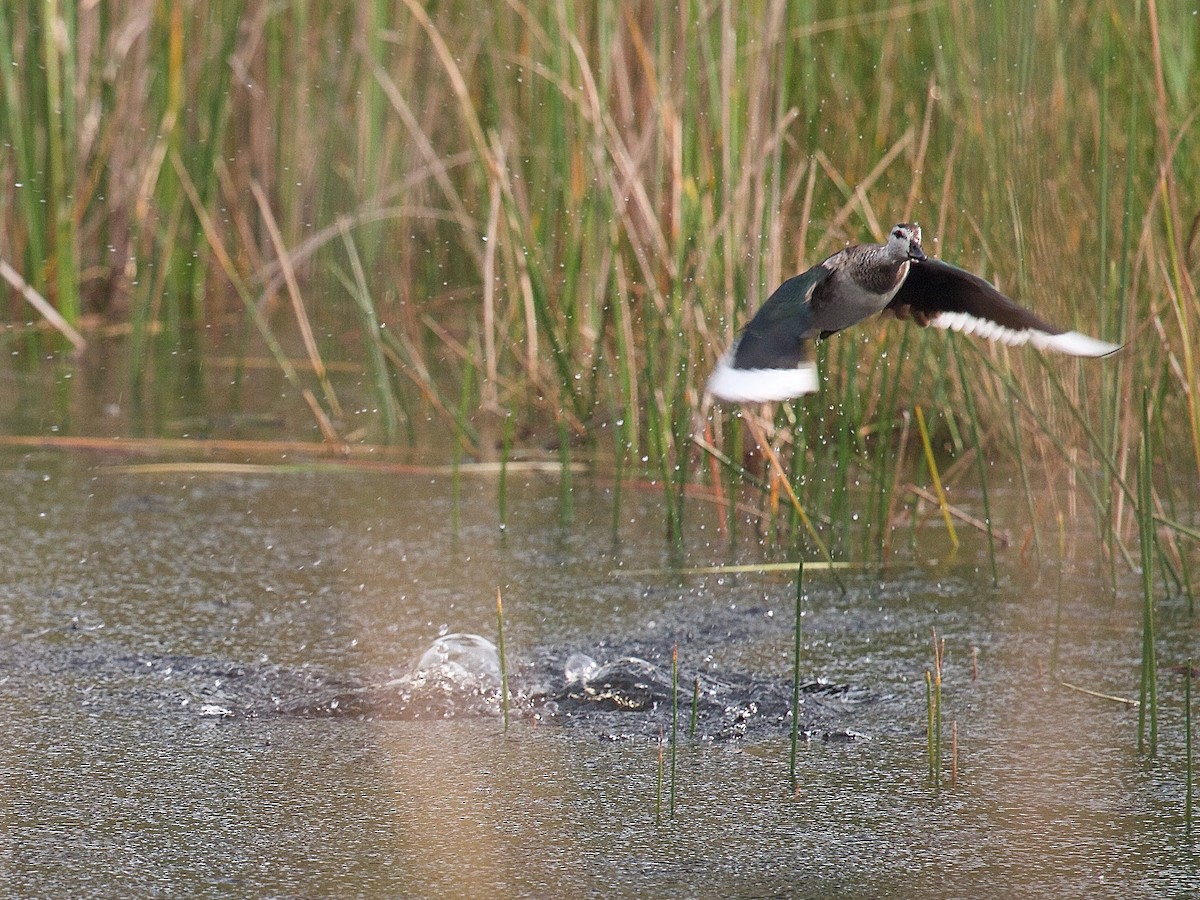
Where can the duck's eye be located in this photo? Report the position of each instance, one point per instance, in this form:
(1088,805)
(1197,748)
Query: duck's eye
(897,233)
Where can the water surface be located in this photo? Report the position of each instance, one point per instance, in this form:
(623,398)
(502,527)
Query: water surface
(152,622)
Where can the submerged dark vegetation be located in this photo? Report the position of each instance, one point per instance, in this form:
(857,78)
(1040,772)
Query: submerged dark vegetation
(539,224)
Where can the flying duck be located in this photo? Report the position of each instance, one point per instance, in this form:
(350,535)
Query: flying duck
(771,358)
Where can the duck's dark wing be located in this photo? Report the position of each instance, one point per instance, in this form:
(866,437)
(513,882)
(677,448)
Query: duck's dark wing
(770,359)
(945,296)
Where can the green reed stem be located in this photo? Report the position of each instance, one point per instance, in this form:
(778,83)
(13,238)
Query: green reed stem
(773,458)
(796,648)
(1187,745)
(980,456)
(683,458)
(505,453)
(933,706)
(937,731)
(619,449)
(1148,689)
(376,358)
(695,705)
(953,753)
(659,797)
(929,724)
(464,399)
(674,722)
(503,662)
(937,479)
(17,120)
(60,130)
(566,490)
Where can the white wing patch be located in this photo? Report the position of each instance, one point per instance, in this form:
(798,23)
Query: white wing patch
(1071,342)
(760,385)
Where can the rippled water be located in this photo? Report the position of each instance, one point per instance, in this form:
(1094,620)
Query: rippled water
(171,644)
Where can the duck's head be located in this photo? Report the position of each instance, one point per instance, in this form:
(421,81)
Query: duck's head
(904,242)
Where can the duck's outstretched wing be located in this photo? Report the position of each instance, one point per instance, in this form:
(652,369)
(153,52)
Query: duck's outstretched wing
(945,296)
(771,358)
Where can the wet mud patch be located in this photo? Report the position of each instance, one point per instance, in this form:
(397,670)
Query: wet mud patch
(625,692)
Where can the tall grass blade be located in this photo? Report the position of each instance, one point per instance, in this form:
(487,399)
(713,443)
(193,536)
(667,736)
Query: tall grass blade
(980,457)
(460,440)
(933,704)
(695,706)
(929,730)
(566,489)
(1188,675)
(293,286)
(766,448)
(503,660)
(937,480)
(39,303)
(505,454)
(377,367)
(796,648)
(674,723)
(57,24)
(658,800)
(619,449)
(1148,688)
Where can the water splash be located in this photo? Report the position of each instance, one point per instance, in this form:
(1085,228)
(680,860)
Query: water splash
(460,661)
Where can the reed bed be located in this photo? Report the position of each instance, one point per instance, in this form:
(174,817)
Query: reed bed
(567,210)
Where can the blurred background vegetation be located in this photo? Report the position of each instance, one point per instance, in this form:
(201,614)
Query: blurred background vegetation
(421,221)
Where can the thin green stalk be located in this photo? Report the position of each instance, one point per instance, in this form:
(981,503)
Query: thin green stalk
(16,76)
(674,722)
(683,458)
(937,713)
(406,360)
(937,479)
(1167,501)
(796,648)
(773,458)
(933,703)
(1148,689)
(1178,296)
(796,468)
(1187,745)
(953,753)
(566,491)
(848,411)
(218,250)
(695,705)
(376,359)
(929,726)
(660,441)
(735,471)
(888,462)
(659,796)
(60,128)
(503,663)
(980,457)
(505,453)
(456,463)
(373,20)
(619,450)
